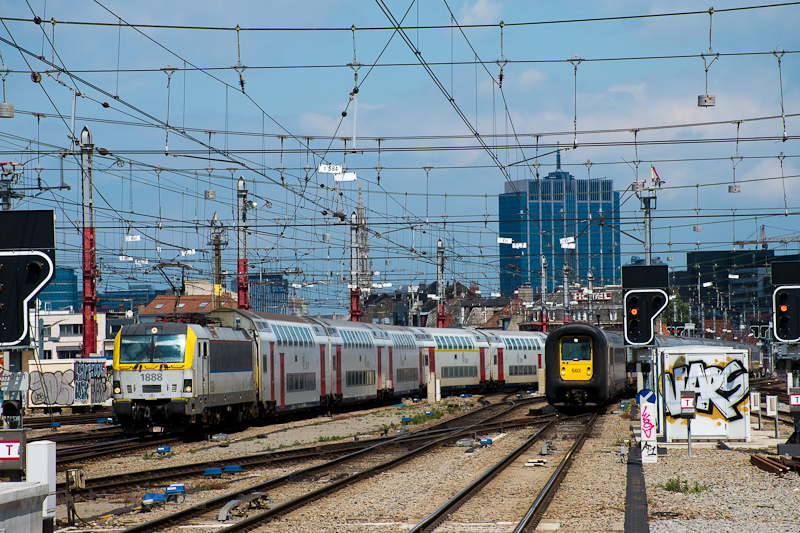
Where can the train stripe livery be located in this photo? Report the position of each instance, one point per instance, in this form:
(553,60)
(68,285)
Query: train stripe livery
(243,365)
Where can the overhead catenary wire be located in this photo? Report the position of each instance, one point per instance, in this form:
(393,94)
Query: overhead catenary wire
(508,146)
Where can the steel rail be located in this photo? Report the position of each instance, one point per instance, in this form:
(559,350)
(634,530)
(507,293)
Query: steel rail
(539,505)
(271,458)
(434,519)
(202,508)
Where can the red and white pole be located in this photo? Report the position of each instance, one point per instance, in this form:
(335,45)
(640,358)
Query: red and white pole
(241,233)
(91,274)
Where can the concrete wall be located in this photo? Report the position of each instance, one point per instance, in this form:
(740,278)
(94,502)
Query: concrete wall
(21,506)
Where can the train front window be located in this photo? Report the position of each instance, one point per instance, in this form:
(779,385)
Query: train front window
(576,349)
(152,349)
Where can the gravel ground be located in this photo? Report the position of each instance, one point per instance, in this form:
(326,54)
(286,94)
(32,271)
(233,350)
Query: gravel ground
(592,495)
(735,496)
(364,424)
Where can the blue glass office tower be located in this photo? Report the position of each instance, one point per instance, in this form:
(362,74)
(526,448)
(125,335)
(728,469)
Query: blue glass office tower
(541,212)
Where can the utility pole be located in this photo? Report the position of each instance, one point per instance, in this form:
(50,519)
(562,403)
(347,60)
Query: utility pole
(647,201)
(91,273)
(544,293)
(241,242)
(360,264)
(590,296)
(443,319)
(217,243)
(566,293)
(355,289)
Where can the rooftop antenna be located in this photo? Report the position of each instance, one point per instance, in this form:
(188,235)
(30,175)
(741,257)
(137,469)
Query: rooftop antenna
(708,100)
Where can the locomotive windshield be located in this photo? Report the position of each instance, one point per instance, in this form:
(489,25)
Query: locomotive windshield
(152,349)
(576,349)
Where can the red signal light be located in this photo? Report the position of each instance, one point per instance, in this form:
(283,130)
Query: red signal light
(783,308)
(634,311)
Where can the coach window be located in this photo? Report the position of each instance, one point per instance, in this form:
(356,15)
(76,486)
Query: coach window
(279,334)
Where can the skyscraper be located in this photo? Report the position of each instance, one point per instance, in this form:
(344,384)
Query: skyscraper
(536,214)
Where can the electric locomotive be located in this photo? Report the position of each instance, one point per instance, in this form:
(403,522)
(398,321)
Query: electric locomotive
(172,375)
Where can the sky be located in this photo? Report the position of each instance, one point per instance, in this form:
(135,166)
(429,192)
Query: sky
(432,133)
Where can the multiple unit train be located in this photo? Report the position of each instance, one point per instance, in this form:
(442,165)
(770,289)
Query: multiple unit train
(236,366)
(244,365)
(585,365)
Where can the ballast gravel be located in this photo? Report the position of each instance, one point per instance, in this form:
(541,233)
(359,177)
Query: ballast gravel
(732,495)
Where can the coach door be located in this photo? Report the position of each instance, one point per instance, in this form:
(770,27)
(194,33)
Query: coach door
(203,371)
(337,365)
(483,364)
(380,380)
(271,371)
(322,372)
(390,379)
(501,376)
(283,382)
(421,368)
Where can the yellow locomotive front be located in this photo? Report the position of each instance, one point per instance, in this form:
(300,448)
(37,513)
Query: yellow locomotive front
(575,358)
(154,378)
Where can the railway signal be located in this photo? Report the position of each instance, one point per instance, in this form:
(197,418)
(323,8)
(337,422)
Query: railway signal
(23,274)
(27,260)
(786,308)
(641,307)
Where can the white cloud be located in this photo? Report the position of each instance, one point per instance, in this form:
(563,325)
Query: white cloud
(481,12)
(324,124)
(528,79)
(637,91)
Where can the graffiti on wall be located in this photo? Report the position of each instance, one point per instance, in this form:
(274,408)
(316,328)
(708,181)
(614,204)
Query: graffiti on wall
(48,388)
(89,377)
(724,387)
(87,383)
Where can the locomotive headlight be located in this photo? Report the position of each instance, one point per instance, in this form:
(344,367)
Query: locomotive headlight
(563,372)
(187,385)
(117,387)
(588,371)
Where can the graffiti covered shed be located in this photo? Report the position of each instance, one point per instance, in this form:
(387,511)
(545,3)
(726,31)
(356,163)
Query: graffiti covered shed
(73,383)
(719,377)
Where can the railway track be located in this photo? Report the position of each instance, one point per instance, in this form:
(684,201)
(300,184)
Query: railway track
(443,517)
(44,422)
(81,436)
(109,447)
(302,487)
(271,459)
